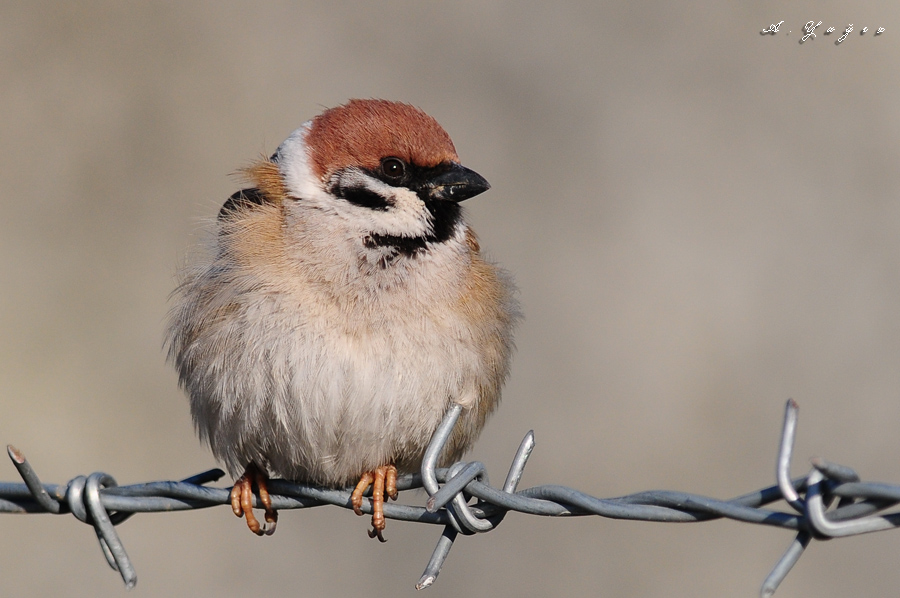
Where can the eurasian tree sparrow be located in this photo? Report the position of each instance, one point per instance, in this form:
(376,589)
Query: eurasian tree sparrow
(345,306)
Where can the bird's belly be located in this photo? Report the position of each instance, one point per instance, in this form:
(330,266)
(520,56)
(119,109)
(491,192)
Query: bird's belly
(330,405)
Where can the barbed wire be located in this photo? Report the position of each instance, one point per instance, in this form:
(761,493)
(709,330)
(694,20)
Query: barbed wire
(98,501)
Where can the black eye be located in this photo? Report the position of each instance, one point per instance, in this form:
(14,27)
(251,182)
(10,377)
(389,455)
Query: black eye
(393,168)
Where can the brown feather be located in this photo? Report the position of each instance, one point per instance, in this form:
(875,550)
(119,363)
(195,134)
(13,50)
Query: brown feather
(362,132)
(265,176)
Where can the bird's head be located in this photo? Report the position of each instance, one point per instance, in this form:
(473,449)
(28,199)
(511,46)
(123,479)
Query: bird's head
(386,169)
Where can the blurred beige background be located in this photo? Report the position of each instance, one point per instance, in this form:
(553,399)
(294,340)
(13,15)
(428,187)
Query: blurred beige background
(703,222)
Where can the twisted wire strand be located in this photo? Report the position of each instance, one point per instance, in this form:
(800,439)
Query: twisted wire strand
(98,501)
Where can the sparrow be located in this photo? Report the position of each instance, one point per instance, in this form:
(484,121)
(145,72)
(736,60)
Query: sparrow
(343,307)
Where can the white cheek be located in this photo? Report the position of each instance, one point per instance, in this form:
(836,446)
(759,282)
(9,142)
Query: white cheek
(406,218)
(294,165)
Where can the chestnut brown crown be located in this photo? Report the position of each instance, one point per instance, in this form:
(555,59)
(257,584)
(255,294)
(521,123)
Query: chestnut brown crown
(363,132)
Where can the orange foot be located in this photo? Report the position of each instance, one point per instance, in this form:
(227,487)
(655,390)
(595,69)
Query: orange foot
(242,500)
(384,484)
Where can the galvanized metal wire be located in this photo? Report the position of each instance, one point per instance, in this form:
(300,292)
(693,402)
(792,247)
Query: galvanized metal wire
(98,501)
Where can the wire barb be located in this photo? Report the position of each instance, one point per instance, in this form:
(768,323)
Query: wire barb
(785,451)
(98,501)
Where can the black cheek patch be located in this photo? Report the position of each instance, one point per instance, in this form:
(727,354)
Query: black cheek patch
(360,196)
(363,197)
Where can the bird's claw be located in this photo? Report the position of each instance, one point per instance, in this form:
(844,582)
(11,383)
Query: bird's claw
(242,500)
(384,485)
